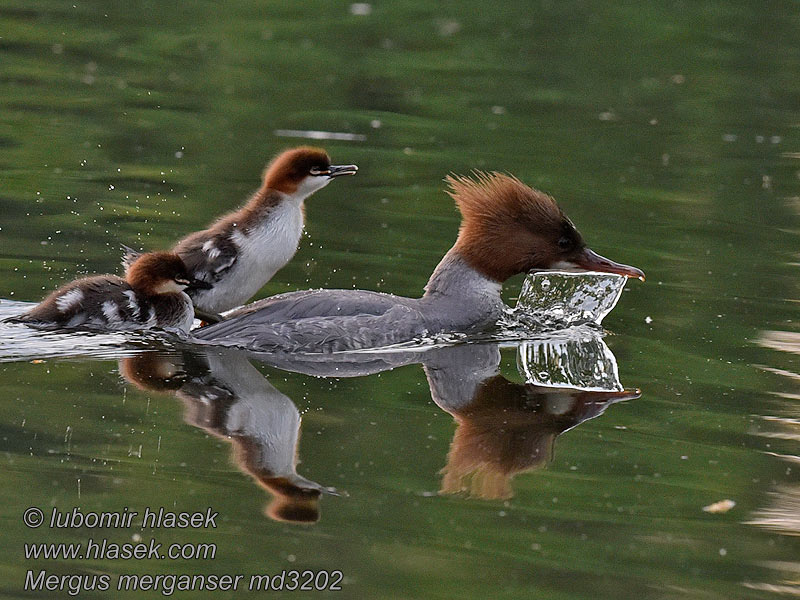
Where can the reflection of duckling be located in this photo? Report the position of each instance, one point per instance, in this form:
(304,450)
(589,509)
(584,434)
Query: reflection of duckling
(509,428)
(153,371)
(258,449)
(229,398)
(296,500)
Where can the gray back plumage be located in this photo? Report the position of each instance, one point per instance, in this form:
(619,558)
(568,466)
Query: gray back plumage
(319,321)
(457,299)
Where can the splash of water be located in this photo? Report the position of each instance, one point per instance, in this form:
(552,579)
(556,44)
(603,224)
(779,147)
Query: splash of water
(577,358)
(18,342)
(552,300)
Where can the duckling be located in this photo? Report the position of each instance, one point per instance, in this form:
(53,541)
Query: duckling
(242,250)
(152,295)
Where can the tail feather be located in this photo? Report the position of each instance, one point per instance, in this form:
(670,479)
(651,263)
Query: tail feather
(129,256)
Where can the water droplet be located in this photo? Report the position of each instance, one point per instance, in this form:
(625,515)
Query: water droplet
(360,9)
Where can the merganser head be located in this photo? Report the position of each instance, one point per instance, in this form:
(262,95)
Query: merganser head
(161,273)
(302,171)
(509,228)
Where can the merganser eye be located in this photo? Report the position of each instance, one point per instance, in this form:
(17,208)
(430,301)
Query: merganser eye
(564,243)
(319,171)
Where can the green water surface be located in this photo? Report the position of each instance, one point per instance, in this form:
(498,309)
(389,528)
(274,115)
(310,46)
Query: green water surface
(668,130)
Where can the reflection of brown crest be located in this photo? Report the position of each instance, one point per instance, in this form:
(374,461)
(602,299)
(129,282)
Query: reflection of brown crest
(510,428)
(495,441)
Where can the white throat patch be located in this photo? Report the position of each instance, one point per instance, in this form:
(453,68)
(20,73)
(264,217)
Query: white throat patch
(169,287)
(309,185)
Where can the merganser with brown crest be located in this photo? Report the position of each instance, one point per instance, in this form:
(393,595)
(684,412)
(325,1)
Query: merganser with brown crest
(153,294)
(241,251)
(507,228)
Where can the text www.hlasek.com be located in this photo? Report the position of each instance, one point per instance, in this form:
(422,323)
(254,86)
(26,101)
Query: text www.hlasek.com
(166,583)
(105,550)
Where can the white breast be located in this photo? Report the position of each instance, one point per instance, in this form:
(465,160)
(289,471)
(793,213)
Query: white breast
(187,319)
(263,250)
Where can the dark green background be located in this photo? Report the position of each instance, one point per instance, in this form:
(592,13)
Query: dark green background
(667,130)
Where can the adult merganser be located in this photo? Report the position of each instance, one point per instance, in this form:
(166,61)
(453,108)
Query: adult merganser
(241,251)
(507,228)
(151,295)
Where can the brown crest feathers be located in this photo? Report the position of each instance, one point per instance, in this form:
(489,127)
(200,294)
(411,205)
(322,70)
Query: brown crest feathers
(153,268)
(507,226)
(287,169)
(493,196)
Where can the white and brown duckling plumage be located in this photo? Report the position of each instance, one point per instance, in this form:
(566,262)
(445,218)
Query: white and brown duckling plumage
(152,295)
(241,251)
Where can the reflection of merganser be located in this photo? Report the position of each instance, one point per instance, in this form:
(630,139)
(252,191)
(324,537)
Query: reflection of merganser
(228,397)
(151,295)
(507,228)
(508,428)
(505,428)
(243,250)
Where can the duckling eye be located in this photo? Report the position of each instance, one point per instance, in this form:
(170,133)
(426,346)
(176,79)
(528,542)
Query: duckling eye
(564,243)
(319,171)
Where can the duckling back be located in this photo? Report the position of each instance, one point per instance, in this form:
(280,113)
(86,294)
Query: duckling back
(108,302)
